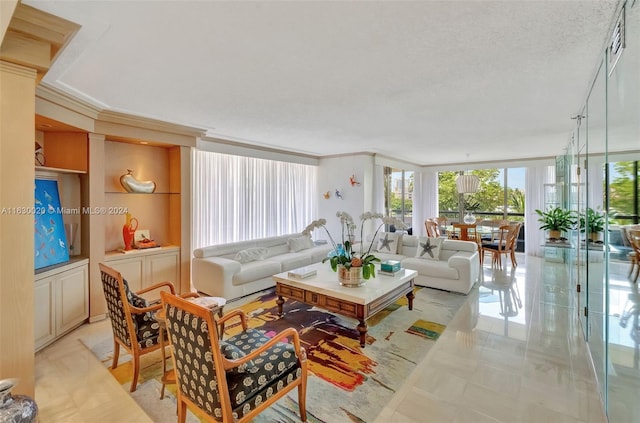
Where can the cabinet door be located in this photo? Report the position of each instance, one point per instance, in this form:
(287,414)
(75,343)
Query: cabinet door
(44,323)
(163,267)
(72,305)
(132,270)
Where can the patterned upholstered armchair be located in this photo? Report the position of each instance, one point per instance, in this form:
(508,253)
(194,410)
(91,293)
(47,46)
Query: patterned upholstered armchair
(235,379)
(132,321)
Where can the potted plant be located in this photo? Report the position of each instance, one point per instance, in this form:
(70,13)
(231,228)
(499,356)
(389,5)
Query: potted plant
(556,221)
(352,265)
(592,222)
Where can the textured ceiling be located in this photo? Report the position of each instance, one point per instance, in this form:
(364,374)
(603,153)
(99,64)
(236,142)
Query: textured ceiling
(428,82)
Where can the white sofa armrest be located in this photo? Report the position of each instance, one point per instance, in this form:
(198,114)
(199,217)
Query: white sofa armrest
(211,274)
(468,266)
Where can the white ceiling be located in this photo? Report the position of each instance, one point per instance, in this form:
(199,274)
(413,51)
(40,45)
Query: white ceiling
(428,82)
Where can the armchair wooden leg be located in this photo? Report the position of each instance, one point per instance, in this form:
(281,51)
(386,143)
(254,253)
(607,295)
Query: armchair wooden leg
(182,411)
(302,398)
(136,372)
(116,354)
(513,259)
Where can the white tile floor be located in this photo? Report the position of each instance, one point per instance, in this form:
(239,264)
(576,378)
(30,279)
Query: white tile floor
(514,353)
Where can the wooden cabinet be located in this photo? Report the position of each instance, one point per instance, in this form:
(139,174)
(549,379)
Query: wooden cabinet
(61,298)
(143,268)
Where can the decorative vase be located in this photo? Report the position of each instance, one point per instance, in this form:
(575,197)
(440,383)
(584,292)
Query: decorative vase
(129,231)
(469,218)
(554,234)
(338,251)
(15,408)
(351,277)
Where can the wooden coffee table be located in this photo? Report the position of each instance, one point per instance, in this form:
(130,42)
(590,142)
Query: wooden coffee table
(324,291)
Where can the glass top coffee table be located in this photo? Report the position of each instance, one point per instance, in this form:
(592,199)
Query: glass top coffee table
(323,290)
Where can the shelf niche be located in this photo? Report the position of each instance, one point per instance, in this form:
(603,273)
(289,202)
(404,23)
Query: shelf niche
(154,211)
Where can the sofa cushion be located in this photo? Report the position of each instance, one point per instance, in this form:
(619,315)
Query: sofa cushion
(299,243)
(319,252)
(255,270)
(387,242)
(429,248)
(432,268)
(251,254)
(290,261)
(223,249)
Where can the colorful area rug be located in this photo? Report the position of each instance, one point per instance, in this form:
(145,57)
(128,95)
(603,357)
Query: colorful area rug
(346,383)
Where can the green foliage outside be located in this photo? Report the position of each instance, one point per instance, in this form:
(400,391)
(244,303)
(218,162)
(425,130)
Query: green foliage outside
(490,198)
(393,200)
(621,192)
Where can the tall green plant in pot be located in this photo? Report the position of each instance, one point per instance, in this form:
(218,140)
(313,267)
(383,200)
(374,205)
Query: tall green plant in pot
(592,222)
(556,220)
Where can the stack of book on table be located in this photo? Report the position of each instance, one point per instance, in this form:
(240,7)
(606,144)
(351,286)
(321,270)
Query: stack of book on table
(302,273)
(389,267)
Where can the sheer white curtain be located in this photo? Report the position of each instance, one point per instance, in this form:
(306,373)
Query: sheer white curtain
(536,178)
(378,188)
(425,199)
(239,198)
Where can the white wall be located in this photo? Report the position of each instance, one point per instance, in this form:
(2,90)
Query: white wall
(333,174)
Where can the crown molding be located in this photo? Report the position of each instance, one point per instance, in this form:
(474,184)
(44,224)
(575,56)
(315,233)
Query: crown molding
(35,38)
(222,146)
(149,123)
(54,95)
(356,153)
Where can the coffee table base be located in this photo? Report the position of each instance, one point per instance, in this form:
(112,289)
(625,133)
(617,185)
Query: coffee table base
(344,307)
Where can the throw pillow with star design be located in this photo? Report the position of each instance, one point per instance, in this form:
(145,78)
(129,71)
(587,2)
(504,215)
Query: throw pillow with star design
(387,242)
(429,248)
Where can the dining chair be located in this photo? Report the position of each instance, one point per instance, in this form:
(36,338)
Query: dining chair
(633,236)
(433,230)
(505,244)
(235,379)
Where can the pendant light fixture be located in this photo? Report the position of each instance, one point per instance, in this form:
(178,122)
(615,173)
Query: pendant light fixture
(467,184)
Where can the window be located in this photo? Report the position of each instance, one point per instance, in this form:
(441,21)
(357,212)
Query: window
(398,194)
(623,192)
(501,194)
(241,198)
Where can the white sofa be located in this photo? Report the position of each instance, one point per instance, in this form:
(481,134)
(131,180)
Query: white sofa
(456,269)
(219,270)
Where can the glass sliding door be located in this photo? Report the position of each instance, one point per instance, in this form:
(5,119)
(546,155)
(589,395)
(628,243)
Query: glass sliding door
(623,297)
(399,194)
(592,251)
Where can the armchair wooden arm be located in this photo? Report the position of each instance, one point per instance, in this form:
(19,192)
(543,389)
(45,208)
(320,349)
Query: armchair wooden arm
(157,305)
(234,313)
(158,286)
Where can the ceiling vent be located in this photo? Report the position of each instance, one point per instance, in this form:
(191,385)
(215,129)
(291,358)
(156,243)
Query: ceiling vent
(616,43)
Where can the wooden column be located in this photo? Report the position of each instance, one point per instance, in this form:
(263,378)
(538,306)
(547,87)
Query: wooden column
(17,115)
(93,196)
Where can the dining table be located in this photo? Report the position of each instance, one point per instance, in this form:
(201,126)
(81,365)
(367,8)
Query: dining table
(460,231)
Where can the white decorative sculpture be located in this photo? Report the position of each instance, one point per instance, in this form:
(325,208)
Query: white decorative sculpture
(131,184)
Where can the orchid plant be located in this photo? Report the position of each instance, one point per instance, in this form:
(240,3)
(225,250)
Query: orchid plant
(344,254)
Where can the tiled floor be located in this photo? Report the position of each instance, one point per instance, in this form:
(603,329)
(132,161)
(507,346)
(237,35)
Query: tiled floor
(514,353)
